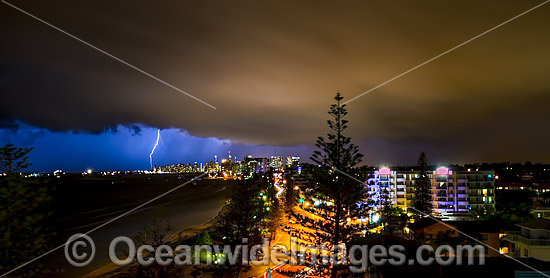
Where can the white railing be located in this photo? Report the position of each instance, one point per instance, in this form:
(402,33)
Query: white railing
(511,236)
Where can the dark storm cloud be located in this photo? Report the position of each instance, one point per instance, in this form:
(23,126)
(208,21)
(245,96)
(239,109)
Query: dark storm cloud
(21,135)
(135,129)
(271,69)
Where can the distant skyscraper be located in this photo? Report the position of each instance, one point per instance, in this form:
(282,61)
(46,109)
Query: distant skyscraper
(276,162)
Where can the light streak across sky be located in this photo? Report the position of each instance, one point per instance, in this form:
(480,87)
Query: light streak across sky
(153,150)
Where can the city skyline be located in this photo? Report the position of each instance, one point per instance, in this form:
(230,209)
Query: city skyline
(128,148)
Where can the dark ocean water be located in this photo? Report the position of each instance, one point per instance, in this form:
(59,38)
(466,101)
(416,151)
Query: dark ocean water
(81,204)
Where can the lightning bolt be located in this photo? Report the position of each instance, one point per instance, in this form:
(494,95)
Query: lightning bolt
(153,150)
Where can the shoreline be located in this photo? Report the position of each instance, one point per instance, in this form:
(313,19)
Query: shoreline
(193,231)
(176,237)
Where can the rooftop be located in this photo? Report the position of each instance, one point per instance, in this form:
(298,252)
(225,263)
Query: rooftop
(463,226)
(539,223)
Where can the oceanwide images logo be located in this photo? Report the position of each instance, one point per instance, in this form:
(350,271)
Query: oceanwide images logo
(80,251)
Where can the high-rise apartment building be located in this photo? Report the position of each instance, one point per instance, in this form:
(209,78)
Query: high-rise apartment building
(453,191)
(395,184)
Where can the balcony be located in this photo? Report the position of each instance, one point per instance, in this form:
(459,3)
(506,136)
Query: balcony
(516,237)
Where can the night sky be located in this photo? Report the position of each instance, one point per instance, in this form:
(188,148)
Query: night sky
(271,69)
